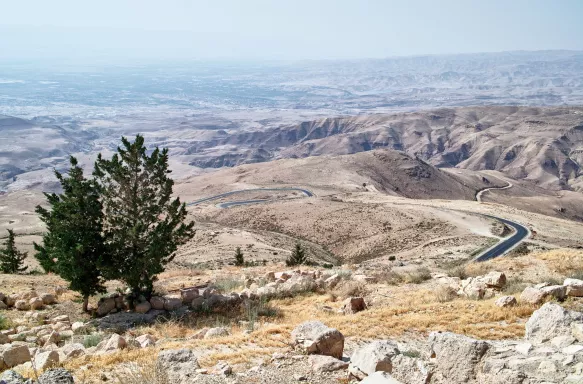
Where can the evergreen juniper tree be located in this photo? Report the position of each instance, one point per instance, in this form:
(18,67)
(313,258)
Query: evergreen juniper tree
(239,259)
(297,257)
(11,259)
(73,245)
(143,225)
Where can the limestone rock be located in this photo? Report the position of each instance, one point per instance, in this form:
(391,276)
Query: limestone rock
(105,306)
(56,376)
(316,338)
(172,303)
(411,370)
(48,298)
(549,321)
(11,377)
(332,281)
(157,302)
(559,292)
(574,287)
(143,307)
(532,295)
(45,360)
(16,355)
(216,332)
(494,279)
(320,364)
(223,368)
(457,357)
(178,364)
(380,378)
(353,305)
(114,343)
(506,301)
(73,350)
(577,331)
(373,357)
(188,295)
(36,303)
(146,341)
(21,305)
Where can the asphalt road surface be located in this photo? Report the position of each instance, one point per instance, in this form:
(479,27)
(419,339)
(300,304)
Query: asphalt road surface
(244,202)
(520,233)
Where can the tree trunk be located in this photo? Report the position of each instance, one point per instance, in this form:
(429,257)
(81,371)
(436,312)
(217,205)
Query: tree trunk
(85,303)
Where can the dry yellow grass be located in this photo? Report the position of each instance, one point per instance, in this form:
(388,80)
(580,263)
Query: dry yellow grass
(562,261)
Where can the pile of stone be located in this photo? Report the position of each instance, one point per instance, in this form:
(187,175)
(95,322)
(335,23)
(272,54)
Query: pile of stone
(27,301)
(480,287)
(276,284)
(542,292)
(551,352)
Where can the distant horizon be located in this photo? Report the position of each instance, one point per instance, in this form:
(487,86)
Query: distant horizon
(280,30)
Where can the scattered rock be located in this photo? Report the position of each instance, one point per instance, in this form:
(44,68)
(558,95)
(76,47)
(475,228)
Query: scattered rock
(532,295)
(188,295)
(146,341)
(15,355)
(506,301)
(373,357)
(320,364)
(549,321)
(223,368)
(216,332)
(380,378)
(105,306)
(457,357)
(157,302)
(11,377)
(574,287)
(353,305)
(114,343)
(45,360)
(73,350)
(56,376)
(494,279)
(36,303)
(179,364)
(143,307)
(316,338)
(21,305)
(48,298)
(172,303)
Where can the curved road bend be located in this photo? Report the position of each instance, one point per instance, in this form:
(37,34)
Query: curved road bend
(480,193)
(243,202)
(507,244)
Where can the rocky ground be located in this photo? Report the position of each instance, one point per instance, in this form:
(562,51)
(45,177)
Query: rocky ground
(513,319)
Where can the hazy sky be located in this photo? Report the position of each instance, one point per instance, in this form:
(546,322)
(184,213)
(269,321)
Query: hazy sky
(282,29)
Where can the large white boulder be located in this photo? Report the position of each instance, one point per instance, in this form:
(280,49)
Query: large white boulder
(179,365)
(314,337)
(549,321)
(457,357)
(373,357)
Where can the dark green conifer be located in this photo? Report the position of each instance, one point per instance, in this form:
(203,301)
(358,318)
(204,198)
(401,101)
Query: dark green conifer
(239,258)
(298,256)
(11,259)
(143,225)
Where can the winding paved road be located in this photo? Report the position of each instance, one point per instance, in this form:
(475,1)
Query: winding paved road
(508,243)
(501,248)
(244,202)
(480,193)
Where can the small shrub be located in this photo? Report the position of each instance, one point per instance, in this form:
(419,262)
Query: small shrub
(412,353)
(91,340)
(459,271)
(328,265)
(5,323)
(261,308)
(393,278)
(419,275)
(227,284)
(239,258)
(521,250)
(392,258)
(344,274)
(444,294)
(515,285)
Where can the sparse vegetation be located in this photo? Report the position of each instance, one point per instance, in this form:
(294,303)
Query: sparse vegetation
(11,259)
(5,322)
(227,284)
(142,374)
(239,258)
(418,275)
(298,256)
(443,294)
(515,285)
(91,340)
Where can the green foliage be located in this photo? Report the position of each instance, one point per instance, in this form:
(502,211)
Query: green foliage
(73,245)
(91,340)
(298,256)
(143,225)
(227,285)
(239,258)
(11,259)
(5,323)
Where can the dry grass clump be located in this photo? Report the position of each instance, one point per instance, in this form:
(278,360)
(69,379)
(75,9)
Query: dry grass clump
(352,289)
(444,294)
(563,261)
(141,374)
(416,276)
